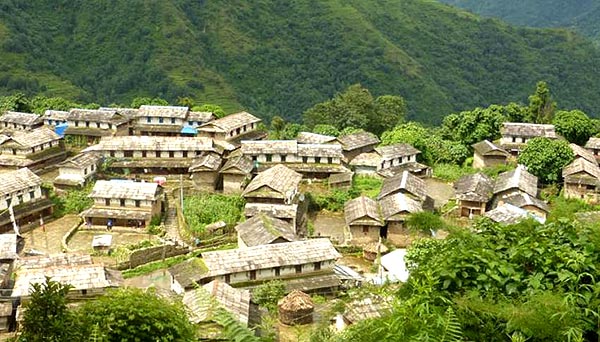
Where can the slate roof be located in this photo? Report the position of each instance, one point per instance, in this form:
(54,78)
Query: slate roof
(268,256)
(256,147)
(55,260)
(230,122)
(581,165)
(201,117)
(404,181)
(206,162)
(397,204)
(320,150)
(476,188)
(372,159)
(17,180)
(153,143)
(263,229)
(125,190)
(593,143)
(59,115)
(396,151)
(96,115)
(28,119)
(509,214)
(581,152)
(201,308)
(519,179)
(163,111)
(282,211)
(280,179)
(314,138)
(129,113)
(237,165)
(81,160)
(32,138)
(337,178)
(358,140)
(522,200)
(189,272)
(487,148)
(522,129)
(362,211)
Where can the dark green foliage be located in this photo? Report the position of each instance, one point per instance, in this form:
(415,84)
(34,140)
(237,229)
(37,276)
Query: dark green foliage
(545,158)
(207,107)
(203,209)
(291,130)
(140,101)
(326,130)
(425,222)
(137,315)
(267,294)
(473,126)
(574,125)
(46,317)
(541,105)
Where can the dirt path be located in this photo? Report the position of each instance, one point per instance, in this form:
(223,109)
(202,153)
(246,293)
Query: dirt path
(49,240)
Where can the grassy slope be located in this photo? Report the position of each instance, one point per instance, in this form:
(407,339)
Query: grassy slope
(281,57)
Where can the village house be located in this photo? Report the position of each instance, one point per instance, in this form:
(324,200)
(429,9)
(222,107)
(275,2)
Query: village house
(593,145)
(408,184)
(20,121)
(203,302)
(87,280)
(304,265)
(395,210)
(357,143)
(389,161)
(487,154)
(340,180)
(55,117)
(77,170)
(196,119)
(363,218)
(584,153)
(204,171)
(235,174)
(264,229)
(21,190)
(34,149)
(532,205)
(154,154)
(91,124)
(582,180)
(473,193)
(314,138)
(509,214)
(370,307)
(395,155)
(514,182)
(232,128)
(125,203)
(516,134)
(160,120)
(311,160)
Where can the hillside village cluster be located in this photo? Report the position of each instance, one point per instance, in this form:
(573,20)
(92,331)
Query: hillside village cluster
(231,155)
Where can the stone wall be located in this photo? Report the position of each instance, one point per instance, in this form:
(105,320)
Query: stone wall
(146,255)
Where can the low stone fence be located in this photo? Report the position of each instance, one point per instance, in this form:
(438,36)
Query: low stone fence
(149,254)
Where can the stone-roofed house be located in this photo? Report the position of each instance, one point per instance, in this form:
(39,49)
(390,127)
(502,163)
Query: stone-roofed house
(125,203)
(514,182)
(186,275)
(593,145)
(364,220)
(582,180)
(473,193)
(396,209)
(584,153)
(306,265)
(20,121)
(408,184)
(235,173)
(389,161)
(161,120)
(196,119)
(532,205)
(22,190)
(340,180)
(92,124)
(203,302)
(357,143)
(154,154)
(487,154)
(55,117)
(264,229)
(509,214)
(77,170)
(87,280)
(314,138)
(205,171)
(232,127)
(396,154)
(34,149)
(516,134)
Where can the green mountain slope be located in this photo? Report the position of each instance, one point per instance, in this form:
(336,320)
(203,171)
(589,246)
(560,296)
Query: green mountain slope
(281,57)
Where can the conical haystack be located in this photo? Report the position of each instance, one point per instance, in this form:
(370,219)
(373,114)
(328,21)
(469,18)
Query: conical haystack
(296,308)
(370,251)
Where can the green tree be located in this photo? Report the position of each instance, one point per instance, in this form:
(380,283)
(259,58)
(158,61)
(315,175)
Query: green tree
(185,101)
(291,130)
(138,315)
(267,294)
(17,102)
(425,222)
(46,316)
(140,101)
(40,104)
(514,112)
(469,127)
(574,125)
(326,130)
(207,107)
(390,111)
(541,104)
(545,158)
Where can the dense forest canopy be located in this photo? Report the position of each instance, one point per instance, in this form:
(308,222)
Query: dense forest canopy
(276,57)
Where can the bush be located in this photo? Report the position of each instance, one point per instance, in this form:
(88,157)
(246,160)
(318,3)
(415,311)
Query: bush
(204,209)
(268,294)
(451,172)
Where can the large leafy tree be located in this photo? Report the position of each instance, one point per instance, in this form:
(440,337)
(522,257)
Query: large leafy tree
(138,315)
(574,125)
(545,158)
(140,101)
(541,104)
(469,127)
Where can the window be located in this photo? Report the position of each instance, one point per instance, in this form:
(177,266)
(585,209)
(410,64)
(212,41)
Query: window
(87,124)
(252,275)
(148,119)
(283,157)
(277,271)
(8,201)
(128,154)
(329,160)
(76,123)
(107,201)
(317,266)
(305,159)
(31,194)
(93,167)
(184,154)
(143,154)
(227,278)
(85,171)
(191,123)
(122,202)
(97,125)
(298,268)
(137,203)
(269,158)
(161,120)
(20,197)
(514,139)
(84,292)
(157,153)
(112,153)
(172,120)
(365,229)
(317,160)
(171,154)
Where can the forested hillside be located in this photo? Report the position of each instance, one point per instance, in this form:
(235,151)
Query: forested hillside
(581,15)
(281,57)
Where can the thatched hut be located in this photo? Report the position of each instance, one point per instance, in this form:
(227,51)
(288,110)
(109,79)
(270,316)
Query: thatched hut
(370,251)
(296,308)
